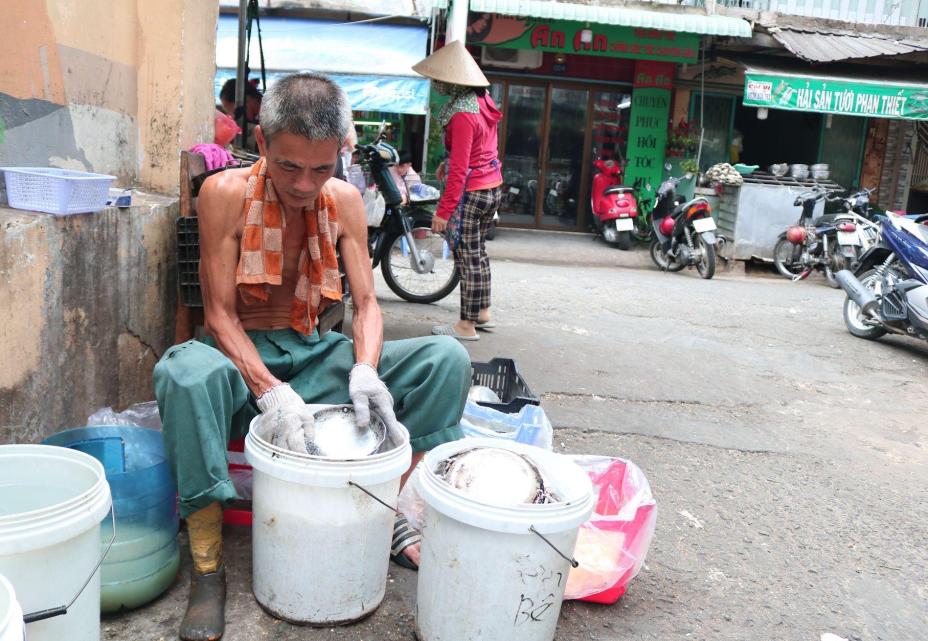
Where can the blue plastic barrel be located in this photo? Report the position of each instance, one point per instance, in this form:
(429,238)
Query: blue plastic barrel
(145,558)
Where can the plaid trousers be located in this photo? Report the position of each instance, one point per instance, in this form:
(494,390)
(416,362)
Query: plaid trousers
(470,256)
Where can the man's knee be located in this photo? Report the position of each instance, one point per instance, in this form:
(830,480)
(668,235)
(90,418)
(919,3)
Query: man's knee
(450,358)
(189,365)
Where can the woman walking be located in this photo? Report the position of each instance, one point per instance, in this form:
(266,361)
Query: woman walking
(472,179)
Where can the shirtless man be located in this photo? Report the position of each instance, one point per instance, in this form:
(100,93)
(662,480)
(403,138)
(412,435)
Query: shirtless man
(267,268)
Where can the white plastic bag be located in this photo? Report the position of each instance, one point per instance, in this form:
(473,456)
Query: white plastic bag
(612,546)
(530,425)
(375,206)
(141,414)
(409,503)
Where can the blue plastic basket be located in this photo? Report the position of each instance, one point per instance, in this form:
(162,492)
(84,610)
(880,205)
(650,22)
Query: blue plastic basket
(56,191)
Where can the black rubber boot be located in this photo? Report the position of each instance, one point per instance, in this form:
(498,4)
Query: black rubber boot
(205,619)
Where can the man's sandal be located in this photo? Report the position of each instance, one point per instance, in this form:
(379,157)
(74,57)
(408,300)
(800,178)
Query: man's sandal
(403,536)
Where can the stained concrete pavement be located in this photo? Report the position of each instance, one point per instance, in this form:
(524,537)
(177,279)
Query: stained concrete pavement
(788,459)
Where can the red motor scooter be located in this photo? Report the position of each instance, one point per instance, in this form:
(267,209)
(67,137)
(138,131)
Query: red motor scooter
(614,205)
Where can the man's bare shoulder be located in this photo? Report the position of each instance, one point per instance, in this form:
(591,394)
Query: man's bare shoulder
(344,193)
(228,183)
(221,198)
(348,202)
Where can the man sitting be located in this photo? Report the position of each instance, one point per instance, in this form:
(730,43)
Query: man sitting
(268,267)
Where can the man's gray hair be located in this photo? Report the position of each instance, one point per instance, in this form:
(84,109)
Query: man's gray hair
(306,104)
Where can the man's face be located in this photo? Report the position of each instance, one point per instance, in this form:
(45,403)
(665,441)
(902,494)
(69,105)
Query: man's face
(298,166)
(228,106)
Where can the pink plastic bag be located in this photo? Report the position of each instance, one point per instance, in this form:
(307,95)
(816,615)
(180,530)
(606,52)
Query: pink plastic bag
(226,129)
(612,545)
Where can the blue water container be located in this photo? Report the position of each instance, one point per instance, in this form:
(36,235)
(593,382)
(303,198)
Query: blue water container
(144,560)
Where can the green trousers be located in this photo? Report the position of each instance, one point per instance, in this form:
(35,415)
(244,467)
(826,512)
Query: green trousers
(204,402)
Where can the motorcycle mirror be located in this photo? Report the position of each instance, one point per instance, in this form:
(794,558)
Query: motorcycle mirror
(382,130)
(668,166)
(688,175)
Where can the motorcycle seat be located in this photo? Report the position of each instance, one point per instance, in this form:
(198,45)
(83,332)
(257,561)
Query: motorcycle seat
(618,189)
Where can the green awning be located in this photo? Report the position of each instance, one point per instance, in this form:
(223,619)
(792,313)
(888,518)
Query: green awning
(868,97)
(663,20)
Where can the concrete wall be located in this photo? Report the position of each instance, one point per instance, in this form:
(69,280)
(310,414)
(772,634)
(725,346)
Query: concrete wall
(87,309)
(112,86)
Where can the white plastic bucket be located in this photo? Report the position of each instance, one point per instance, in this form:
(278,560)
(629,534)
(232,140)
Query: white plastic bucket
(483,573)
(52,500)
(11,615)
(321,547)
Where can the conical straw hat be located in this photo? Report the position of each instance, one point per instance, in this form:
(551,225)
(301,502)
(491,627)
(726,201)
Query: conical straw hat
(454,65)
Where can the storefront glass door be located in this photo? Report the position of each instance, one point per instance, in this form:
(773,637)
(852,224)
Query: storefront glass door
(548,137)
(525,111)
(564,159)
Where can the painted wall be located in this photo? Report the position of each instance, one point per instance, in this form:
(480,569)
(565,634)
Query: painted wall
(88,308)
(111,86)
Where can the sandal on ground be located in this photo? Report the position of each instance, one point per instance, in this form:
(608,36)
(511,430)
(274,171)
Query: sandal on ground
(487,325)
(448,330)
(403,536)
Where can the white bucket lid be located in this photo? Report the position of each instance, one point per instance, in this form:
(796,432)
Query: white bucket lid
(570,483)
(80,500)
(322,471)
(11,614)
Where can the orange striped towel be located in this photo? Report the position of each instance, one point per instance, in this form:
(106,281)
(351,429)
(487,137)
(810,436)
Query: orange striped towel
(261,258)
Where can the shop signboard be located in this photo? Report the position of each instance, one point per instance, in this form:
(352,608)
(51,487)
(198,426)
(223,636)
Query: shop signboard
(647,133)
(564,36)
(843,96)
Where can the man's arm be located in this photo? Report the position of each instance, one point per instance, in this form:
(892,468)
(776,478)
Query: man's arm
(219,210)
(367,322)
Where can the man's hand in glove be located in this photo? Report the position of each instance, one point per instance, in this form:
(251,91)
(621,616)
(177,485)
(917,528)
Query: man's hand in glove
(278,397)
(368,393)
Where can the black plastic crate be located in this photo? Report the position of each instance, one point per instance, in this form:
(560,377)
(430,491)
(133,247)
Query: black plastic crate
(502,376)
(188,261)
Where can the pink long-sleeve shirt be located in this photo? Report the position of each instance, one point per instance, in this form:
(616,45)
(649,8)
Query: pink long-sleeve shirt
(471,141)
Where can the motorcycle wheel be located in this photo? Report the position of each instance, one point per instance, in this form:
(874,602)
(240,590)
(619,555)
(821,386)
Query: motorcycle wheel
(660,258)
(642,231)
(837,263)
(852,318)
(706,264)
(783,259)
(624,241)
(402,278)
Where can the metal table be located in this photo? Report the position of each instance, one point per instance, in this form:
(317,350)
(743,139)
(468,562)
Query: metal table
(751,217)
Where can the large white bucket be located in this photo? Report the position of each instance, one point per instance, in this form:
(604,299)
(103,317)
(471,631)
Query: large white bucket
(483,573)
(52,500)
(11,615)
(321,547)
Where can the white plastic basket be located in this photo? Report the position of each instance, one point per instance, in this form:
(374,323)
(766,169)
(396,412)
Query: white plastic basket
(56,191)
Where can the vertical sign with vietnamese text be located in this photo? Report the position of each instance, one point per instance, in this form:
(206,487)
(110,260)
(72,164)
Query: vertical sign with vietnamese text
(647,133)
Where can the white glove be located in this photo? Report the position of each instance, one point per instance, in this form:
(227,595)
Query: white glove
(279,396)
(290,428)
(368,392)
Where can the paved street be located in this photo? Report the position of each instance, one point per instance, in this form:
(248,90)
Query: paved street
(788,459)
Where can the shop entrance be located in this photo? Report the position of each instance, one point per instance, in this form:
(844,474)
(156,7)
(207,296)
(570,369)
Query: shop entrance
(549,136)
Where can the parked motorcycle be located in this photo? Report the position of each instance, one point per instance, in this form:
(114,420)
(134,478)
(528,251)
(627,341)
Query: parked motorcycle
(857,210)
(825,244)
(888,291)
(614,205)
(416,263)
(684,231)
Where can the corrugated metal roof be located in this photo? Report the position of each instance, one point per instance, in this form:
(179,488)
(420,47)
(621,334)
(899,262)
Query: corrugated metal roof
(828,46)
(617,15)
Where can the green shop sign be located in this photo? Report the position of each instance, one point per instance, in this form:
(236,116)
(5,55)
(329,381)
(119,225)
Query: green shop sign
(563,36)
(647,131)
(836,96)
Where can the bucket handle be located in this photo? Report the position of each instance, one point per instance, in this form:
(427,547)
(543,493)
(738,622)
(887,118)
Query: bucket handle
(41,615)
(373,496)
(573,562)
